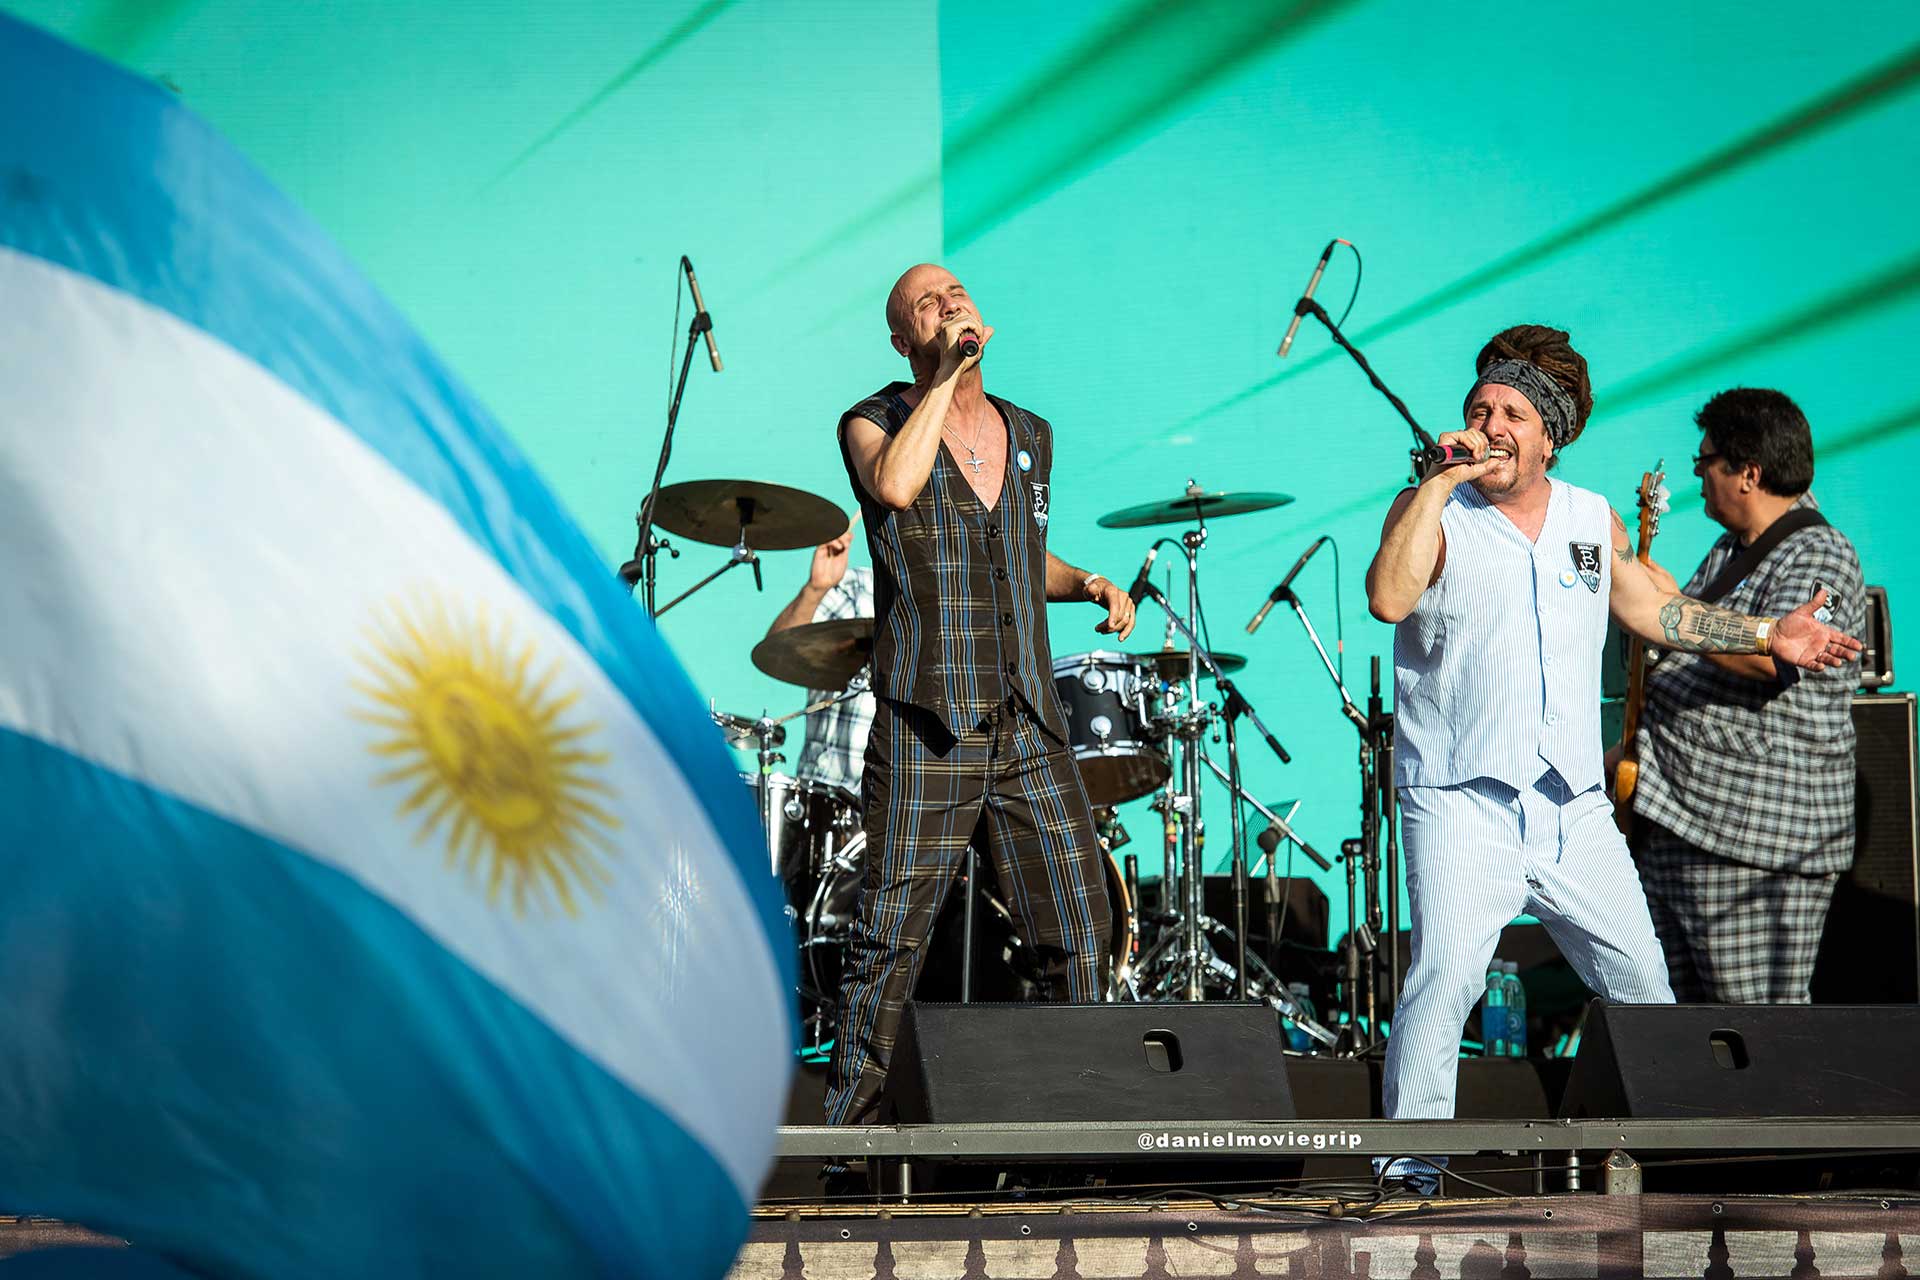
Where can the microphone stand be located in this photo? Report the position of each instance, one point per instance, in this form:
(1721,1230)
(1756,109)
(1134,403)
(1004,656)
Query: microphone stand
(646,550)
(1377,728)
(1308,307)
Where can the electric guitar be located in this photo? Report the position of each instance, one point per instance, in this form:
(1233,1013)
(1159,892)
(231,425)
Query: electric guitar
(1654,501)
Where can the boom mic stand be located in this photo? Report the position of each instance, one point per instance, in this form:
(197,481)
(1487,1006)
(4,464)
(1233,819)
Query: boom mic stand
(647,549)
(1376,735)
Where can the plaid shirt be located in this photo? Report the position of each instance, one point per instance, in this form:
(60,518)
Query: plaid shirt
(837,737)
(1760,772)
(960,592)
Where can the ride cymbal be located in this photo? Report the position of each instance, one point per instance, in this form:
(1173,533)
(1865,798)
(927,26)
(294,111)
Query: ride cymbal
(775,517)
(1193,505)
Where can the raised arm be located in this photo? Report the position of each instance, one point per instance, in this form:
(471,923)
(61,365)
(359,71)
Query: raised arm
(894,469)
(1413,549)
(1659,616)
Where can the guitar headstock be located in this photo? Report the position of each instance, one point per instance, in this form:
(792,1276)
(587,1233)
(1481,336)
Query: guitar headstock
(1655,500)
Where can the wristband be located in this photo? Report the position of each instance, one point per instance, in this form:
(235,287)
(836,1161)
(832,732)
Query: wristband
(1086,582)
(1762,637)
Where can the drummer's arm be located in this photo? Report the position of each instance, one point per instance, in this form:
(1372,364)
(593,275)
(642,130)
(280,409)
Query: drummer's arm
(1064,582)
(800,610)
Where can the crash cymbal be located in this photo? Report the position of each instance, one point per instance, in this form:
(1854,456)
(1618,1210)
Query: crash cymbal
(819,655)
(776,518)
(1194,505)
(1172,664)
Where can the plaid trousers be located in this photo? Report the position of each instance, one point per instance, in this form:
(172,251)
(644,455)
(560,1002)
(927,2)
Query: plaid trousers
(1733,934)
(925,795)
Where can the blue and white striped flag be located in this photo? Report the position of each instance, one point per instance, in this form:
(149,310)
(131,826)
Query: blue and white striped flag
(374,897)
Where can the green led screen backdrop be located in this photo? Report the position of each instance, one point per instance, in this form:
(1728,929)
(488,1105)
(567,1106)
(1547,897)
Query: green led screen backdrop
(1706,195)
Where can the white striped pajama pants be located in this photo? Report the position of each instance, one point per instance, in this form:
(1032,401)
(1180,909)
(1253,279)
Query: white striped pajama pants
(1479,854)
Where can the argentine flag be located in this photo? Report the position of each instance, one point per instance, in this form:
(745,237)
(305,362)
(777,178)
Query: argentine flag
(375,899)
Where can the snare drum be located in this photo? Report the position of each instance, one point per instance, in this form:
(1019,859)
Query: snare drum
(1105,697)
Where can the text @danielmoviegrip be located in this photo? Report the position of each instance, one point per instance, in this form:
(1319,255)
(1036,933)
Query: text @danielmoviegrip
(1232,1140)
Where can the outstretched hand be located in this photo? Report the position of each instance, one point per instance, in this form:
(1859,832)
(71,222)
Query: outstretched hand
(1120,611)
(1805,641)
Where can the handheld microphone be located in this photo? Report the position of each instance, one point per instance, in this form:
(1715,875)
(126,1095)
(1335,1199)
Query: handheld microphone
(969,348)
(1313,282)
(1141,582)
(700,308)
(1436,457)
(1280,592)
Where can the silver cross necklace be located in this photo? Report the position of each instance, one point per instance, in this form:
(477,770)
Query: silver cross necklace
(973,459)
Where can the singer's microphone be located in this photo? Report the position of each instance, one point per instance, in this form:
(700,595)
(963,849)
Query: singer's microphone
(969,348)
(1437,456)
(1280,592)
(693,287)
(1141,582)
(1313,282)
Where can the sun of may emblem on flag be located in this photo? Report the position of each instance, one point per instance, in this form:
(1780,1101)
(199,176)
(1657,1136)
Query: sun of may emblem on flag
(476,732)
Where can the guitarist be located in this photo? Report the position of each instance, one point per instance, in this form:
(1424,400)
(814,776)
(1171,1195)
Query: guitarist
(1744,803)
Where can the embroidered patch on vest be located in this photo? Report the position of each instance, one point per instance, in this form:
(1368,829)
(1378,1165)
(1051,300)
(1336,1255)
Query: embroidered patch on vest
(1039,503)
(1586,563)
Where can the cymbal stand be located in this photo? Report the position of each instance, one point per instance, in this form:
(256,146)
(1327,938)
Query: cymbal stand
(1197,959)
(741,554)
(769,734)
(647,549)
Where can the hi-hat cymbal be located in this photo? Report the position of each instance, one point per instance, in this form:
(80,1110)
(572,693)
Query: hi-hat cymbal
(1172,664)
(1191,506)
(776,518)
(819,655)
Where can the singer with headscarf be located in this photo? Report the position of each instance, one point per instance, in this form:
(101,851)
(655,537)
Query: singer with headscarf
(1499,579)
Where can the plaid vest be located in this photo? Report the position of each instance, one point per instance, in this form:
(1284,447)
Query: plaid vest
(959,592)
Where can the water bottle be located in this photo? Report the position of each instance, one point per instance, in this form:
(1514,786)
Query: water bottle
(1297,1039)
(1493,1012)
(1516,1012)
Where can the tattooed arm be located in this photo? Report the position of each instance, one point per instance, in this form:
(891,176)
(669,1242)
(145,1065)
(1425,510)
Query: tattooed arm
(1659,616)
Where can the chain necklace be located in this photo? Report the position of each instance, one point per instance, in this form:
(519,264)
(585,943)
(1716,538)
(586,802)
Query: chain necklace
(973,459)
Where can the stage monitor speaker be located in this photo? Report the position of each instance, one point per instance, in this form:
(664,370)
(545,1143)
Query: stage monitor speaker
(1726,1061)
(1870,950)
(1013,1063)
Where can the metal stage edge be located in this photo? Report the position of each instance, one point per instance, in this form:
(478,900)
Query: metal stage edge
(1150,1140)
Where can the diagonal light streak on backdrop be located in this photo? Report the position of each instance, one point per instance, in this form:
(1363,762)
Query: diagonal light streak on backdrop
(682,31)
(1830,108)
(120,29)
(1842,307)
(1114,82)
(1111,86)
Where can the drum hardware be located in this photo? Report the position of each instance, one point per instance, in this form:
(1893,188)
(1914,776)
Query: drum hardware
(748,516)
(1184,961)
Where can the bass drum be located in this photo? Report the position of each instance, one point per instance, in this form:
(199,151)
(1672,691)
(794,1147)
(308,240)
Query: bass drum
(1105,696)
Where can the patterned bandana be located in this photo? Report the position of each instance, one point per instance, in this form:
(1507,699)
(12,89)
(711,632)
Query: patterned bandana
(1549,399)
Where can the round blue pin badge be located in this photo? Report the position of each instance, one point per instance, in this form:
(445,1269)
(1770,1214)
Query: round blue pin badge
(1025,460)
(1568,577)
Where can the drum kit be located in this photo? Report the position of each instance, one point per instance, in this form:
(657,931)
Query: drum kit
(1138,725)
